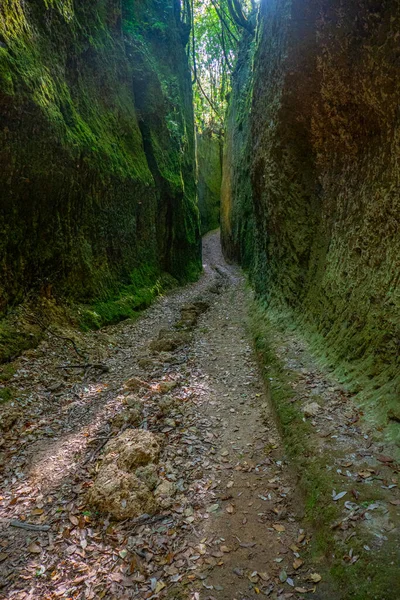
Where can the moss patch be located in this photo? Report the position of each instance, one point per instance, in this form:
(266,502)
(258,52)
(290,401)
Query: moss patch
(6,372)
(146,285)
(375,574)
(209,178)
(97,151)
(6,394)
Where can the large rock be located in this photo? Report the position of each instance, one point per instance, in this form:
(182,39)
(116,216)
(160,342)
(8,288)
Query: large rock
(165,493)
(130,416)
(121,494)
(132,449)
(169,340)
(127,477)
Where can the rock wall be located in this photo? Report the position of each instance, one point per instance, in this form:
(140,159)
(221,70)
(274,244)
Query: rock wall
(209,178)
(97,165)
(237,212)
(322,195)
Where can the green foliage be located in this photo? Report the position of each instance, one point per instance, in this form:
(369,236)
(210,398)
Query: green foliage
(214,50)
(146,284)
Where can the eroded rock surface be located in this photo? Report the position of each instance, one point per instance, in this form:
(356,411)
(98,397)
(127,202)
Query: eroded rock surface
(127,476)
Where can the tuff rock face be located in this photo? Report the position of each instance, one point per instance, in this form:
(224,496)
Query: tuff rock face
(97,166)
(209,178)
(311,178)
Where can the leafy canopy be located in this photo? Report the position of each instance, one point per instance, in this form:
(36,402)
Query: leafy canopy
(217,28)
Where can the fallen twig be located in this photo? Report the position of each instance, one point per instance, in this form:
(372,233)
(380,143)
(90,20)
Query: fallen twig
(98,366)
(29,526)
(149,520)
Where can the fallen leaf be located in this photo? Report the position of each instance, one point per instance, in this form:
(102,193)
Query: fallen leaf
(384,459)
(298,563)
(365,474)
(3,556)
(253,577)
(279,528)
(283,576)
(213,508)
(160,586)
(34,548)
(202,549)
(74,520)
(247,544)
(337,497)
(315,577)
(230,509)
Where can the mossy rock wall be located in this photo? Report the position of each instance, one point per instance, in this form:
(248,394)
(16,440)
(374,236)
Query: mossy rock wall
(237,211)
(324,204)
(97,165)
(209,178)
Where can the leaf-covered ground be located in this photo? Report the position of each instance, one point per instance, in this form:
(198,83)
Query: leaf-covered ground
(233,524)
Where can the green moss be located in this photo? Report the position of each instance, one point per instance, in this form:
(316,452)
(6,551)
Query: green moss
(375,576)
(7,372)
(6,394)
(103,145)
(209,176)
(375,388)
(14,339)
(146,284)
(6,78)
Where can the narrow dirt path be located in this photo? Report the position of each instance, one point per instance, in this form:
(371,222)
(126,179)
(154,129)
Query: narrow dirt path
(230,526)
(252,529)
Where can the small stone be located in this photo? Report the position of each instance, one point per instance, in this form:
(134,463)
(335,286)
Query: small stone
(312,409)
(165,489)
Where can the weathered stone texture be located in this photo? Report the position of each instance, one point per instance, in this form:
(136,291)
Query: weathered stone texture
(209,178)
(324,175)
(97,165)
